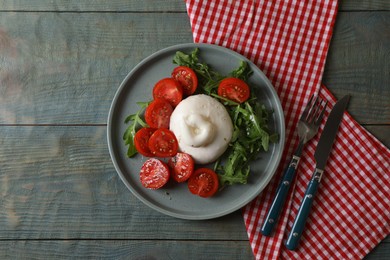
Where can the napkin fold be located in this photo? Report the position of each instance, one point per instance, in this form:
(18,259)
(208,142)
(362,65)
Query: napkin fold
(289,40)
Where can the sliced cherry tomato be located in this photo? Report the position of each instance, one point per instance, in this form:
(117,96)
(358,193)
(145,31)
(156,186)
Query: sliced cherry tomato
(168,89)
(203,182)
(182,166)
(163,143)
(234,89)
(187,79)
(141,141)
(154,174)
(158,113)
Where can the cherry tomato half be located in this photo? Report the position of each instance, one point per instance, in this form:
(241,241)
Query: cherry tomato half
(168,89)
(234,89)
(182,166)
(187,79)
(163,143)
(141,141)
(154,174)
(203,182)
(158,113)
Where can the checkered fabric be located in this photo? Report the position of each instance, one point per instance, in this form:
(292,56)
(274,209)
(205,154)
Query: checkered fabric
(289,41)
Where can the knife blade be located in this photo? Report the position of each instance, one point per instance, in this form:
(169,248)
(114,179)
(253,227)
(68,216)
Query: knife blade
(321,155)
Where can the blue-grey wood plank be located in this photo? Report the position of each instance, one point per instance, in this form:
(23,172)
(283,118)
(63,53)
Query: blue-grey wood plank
(381,132)
(56,65)
(141,249)
(147,5)
(94,6)
(65,68)
(58,182)
(358,63)
(381,251)
(127,249)
(364,5)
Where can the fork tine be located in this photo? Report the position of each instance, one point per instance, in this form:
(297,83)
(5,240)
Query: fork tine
(308,107)
(314,110)
(321,114)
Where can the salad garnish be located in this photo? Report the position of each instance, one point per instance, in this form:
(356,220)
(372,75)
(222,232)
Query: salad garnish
(250,119)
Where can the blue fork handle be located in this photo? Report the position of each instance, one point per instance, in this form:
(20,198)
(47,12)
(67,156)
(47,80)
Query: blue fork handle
(280,197)
(304,211)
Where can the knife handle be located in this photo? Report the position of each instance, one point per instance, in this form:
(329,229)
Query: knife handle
(280,197)
(304,210)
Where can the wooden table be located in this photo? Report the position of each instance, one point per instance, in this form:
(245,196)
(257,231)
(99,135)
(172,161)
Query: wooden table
(61,63)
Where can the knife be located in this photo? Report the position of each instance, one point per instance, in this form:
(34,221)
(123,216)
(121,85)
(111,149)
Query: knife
(321,155)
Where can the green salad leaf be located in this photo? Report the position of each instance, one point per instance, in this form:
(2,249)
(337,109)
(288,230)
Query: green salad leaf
(136,122)
(209,79)
(250,120)
(251,134)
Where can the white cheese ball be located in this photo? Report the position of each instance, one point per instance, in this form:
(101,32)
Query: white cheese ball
(202,127)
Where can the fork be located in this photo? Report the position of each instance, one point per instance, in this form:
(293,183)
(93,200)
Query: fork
(307,128)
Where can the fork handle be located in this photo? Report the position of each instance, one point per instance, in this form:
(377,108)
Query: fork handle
(304,211)
(280,197)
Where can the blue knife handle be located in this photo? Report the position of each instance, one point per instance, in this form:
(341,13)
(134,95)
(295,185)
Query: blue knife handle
(304,211)
(280,197)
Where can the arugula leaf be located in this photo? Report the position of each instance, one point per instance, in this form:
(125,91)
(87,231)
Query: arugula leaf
(242,72)
(191,60)
(236,169)
(208,80)
(250,119)
(136,122)
(250,136)
(233,171)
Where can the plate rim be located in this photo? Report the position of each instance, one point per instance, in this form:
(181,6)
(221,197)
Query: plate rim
(111,118)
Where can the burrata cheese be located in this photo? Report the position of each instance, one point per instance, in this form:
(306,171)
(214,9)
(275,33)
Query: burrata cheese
(202,127)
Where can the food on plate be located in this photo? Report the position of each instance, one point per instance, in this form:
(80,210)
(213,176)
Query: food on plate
(181,166)
(136,121)
(154,173)
(203,182)
(141,141)
(203,128)
(168,89)
(234,89)
(187,79)
(250,119)
(163,143)
(158,113)
(219,120)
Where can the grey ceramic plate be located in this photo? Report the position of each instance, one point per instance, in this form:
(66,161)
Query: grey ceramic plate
(175,199)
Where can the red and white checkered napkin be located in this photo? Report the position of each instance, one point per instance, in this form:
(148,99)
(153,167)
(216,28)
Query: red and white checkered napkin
(289,41)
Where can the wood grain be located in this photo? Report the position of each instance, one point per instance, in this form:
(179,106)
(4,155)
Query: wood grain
(358,63)
(58,182)
(382,251)
(148,5)
(381,132)
(75,62)
(374,5)
(57,64)
(94,6)
(141,249)
(128,249)
(61,63)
